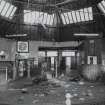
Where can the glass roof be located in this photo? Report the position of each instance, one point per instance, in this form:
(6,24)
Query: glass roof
(6,9)
(81,15)
(101,5)
(36,17)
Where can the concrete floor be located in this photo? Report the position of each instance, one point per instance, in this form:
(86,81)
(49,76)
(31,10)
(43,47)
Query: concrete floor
(22,92)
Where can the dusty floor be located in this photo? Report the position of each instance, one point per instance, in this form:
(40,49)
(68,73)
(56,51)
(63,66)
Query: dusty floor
(22,92)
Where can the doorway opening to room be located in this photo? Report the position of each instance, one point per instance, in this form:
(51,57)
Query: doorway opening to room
(57,62)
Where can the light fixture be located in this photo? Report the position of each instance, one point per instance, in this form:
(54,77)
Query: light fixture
(85,34)
(16,35)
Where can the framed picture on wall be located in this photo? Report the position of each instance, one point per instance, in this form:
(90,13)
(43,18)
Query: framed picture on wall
(22,46)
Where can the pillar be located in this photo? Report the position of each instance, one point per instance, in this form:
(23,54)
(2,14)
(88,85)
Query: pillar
(14,71)
(28,71)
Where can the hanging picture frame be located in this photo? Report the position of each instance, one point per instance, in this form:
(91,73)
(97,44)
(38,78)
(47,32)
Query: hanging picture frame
(22,46)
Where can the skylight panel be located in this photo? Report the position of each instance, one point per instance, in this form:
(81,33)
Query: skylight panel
(86,14)
(78,16)
(48,19)
(66,18)
(63,18)
(70,17)
(74,16)
(0,1)
(36,17)
(9,11)
(41,17)
(5,9)
(51,19)
(90,13)
(82,15)
(101,7)
(12,13)
(32,20)
(27,16)
(45,18)
(2,5)
(103,2)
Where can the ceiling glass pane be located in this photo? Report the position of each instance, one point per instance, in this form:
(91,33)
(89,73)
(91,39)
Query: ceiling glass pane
(27,16)
(52,19)
(32,17)
(2,5)
(66,18)
(0,1)
(70,17)
(48,19)
(78,16)
(36,17)
(12,13)
(74,16)
(41,17)
(90,13)
(5,9)
(86,13)
(82,15)
(9,11)
(45,18)
(63,18)
(103,2)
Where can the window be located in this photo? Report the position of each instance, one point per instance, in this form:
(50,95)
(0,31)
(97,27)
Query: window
(90,13)
(36,17)
(68,53)
(63,19)
(101,6)
(78,16)
(2,5)
(70,17)
(9,11)
(12,13)
(52,19)
(81,15)
(86,14)
(66,18)
(74,16)
(45,18)
(6,9)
